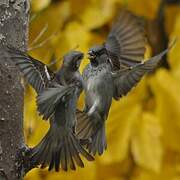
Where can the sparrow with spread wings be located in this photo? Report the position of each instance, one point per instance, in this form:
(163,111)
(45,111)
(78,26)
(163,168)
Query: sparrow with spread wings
(57,95)
(115,68)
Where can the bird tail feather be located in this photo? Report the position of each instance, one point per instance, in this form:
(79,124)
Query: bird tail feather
(58,149)
(98,142)
(85,126)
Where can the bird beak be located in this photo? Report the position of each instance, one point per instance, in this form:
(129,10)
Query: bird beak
(91,55)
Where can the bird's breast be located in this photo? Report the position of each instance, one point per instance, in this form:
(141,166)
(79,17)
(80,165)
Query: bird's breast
(98,86)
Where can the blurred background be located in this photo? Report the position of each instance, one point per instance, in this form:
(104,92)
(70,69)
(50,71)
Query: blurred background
(143,129)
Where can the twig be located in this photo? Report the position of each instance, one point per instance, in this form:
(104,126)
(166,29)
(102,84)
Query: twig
(55,61)
(41,33)
(43,42)
(60,58)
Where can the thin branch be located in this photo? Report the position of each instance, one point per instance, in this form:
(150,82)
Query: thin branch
(60,58)
(41,33)
(33,17)
(41,44)
(55,61)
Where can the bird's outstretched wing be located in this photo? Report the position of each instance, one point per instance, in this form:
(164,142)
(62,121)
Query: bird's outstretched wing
(126,79)
(43,80)
(51,97)
(38,75)
(126,41)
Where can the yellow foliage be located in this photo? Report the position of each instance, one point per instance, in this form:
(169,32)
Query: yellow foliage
(143,128)
(167,107)
(174,55)
(143,8)
(40,4)
(146,142)
(97,13)
(120,127)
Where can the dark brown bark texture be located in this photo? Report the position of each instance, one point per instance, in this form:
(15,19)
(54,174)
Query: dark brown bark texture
(13,32)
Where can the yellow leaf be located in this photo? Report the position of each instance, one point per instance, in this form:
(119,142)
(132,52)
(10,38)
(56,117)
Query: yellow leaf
(97,13)
(38,5)
(170,169)
(112,171)
(76,35)
(78,6)
(174,54)
(166,90)
(171,13)
(89,172)
(119,130)
(142,7)
(146,142)
(52,19)
(34,125)
(33,174)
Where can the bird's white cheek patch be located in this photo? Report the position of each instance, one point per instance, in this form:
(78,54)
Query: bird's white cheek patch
(47,74)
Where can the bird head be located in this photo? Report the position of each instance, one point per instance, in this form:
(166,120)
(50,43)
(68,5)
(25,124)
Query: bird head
(72,60)
(95,54)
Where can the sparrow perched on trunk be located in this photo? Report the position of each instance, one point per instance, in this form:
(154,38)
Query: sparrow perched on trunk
(114,69)
(57,97)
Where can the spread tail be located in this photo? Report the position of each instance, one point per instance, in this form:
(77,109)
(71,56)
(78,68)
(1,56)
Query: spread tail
(85,126)
(98,142)
(59,148)
(91,134)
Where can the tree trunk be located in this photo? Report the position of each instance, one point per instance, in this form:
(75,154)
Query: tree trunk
(13,32)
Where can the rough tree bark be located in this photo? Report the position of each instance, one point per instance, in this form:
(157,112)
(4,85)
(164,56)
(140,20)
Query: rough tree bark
(14,32)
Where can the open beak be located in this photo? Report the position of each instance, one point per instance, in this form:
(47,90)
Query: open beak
(91,55)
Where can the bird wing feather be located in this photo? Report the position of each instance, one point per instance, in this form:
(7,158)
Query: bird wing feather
(43,80)
(48,100)
(126,41)
(126,79)
(38,75)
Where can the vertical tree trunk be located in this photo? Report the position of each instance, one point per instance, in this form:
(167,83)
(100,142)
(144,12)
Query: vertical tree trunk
(13,32)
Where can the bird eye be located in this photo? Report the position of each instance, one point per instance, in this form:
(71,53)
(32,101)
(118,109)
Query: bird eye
(91,54)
